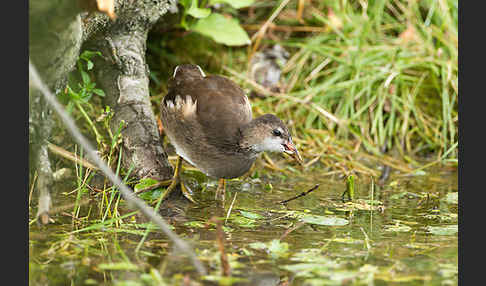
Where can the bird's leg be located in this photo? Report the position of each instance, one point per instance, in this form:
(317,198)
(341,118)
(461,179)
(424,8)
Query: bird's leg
(176,180)
(221,190)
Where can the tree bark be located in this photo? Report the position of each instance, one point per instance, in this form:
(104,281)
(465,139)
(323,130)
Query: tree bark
(123,74)
(54,43)
(56,34)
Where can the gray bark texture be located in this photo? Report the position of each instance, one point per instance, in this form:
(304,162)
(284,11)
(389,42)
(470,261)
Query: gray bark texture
(54,44)
(58,31)
(124,76)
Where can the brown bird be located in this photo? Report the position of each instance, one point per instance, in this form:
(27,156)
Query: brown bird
(208,119)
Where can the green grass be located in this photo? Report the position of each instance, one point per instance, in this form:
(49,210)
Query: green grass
(384,89)
(387,71)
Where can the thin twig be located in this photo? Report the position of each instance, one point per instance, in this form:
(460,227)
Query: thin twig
(284,28)
(296,226)
(315,71)
(70,156)
(367,240)
(230,208)
(225,267)
(300,195)
(308,164)
(300,10)
(32,186)
(133,200)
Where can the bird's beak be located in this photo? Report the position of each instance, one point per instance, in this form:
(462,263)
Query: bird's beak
(292,151)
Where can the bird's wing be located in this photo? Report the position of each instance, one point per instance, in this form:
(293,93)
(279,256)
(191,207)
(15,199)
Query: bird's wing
(222,106)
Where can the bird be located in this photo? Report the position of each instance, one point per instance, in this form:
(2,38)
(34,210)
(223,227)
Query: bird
(208,119)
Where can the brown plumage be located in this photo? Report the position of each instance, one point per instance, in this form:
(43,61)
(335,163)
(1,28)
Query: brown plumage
(209,121)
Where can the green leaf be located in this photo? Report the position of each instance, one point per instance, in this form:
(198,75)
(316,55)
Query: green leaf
(243,221)
(237,4)
(90,86)
(144,183)
(151,195)
(198,224)
(85,77)
(84,96)
(275,248)
(278,249)
(87,55)
(324,220)
(251,215)
(99,92)
(222,30)
(443,230)
(185,3)
(72,94)
(89,65)
(195,11)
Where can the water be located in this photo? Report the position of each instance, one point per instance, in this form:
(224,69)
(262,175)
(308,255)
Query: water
(407,235)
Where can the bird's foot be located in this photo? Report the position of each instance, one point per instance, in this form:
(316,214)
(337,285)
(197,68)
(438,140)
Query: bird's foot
(221,191)
(186,191)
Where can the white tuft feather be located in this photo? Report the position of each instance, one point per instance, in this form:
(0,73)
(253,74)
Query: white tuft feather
(178,102)
(202,73)
(175,71)
(170,104)
(189,108)
(248,106)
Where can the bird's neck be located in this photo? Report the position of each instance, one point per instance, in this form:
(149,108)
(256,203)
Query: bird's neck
(250,136)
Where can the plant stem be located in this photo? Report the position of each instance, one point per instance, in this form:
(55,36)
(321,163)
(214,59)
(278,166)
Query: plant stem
(91,124)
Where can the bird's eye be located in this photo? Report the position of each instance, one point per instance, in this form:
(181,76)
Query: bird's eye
(277,132)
